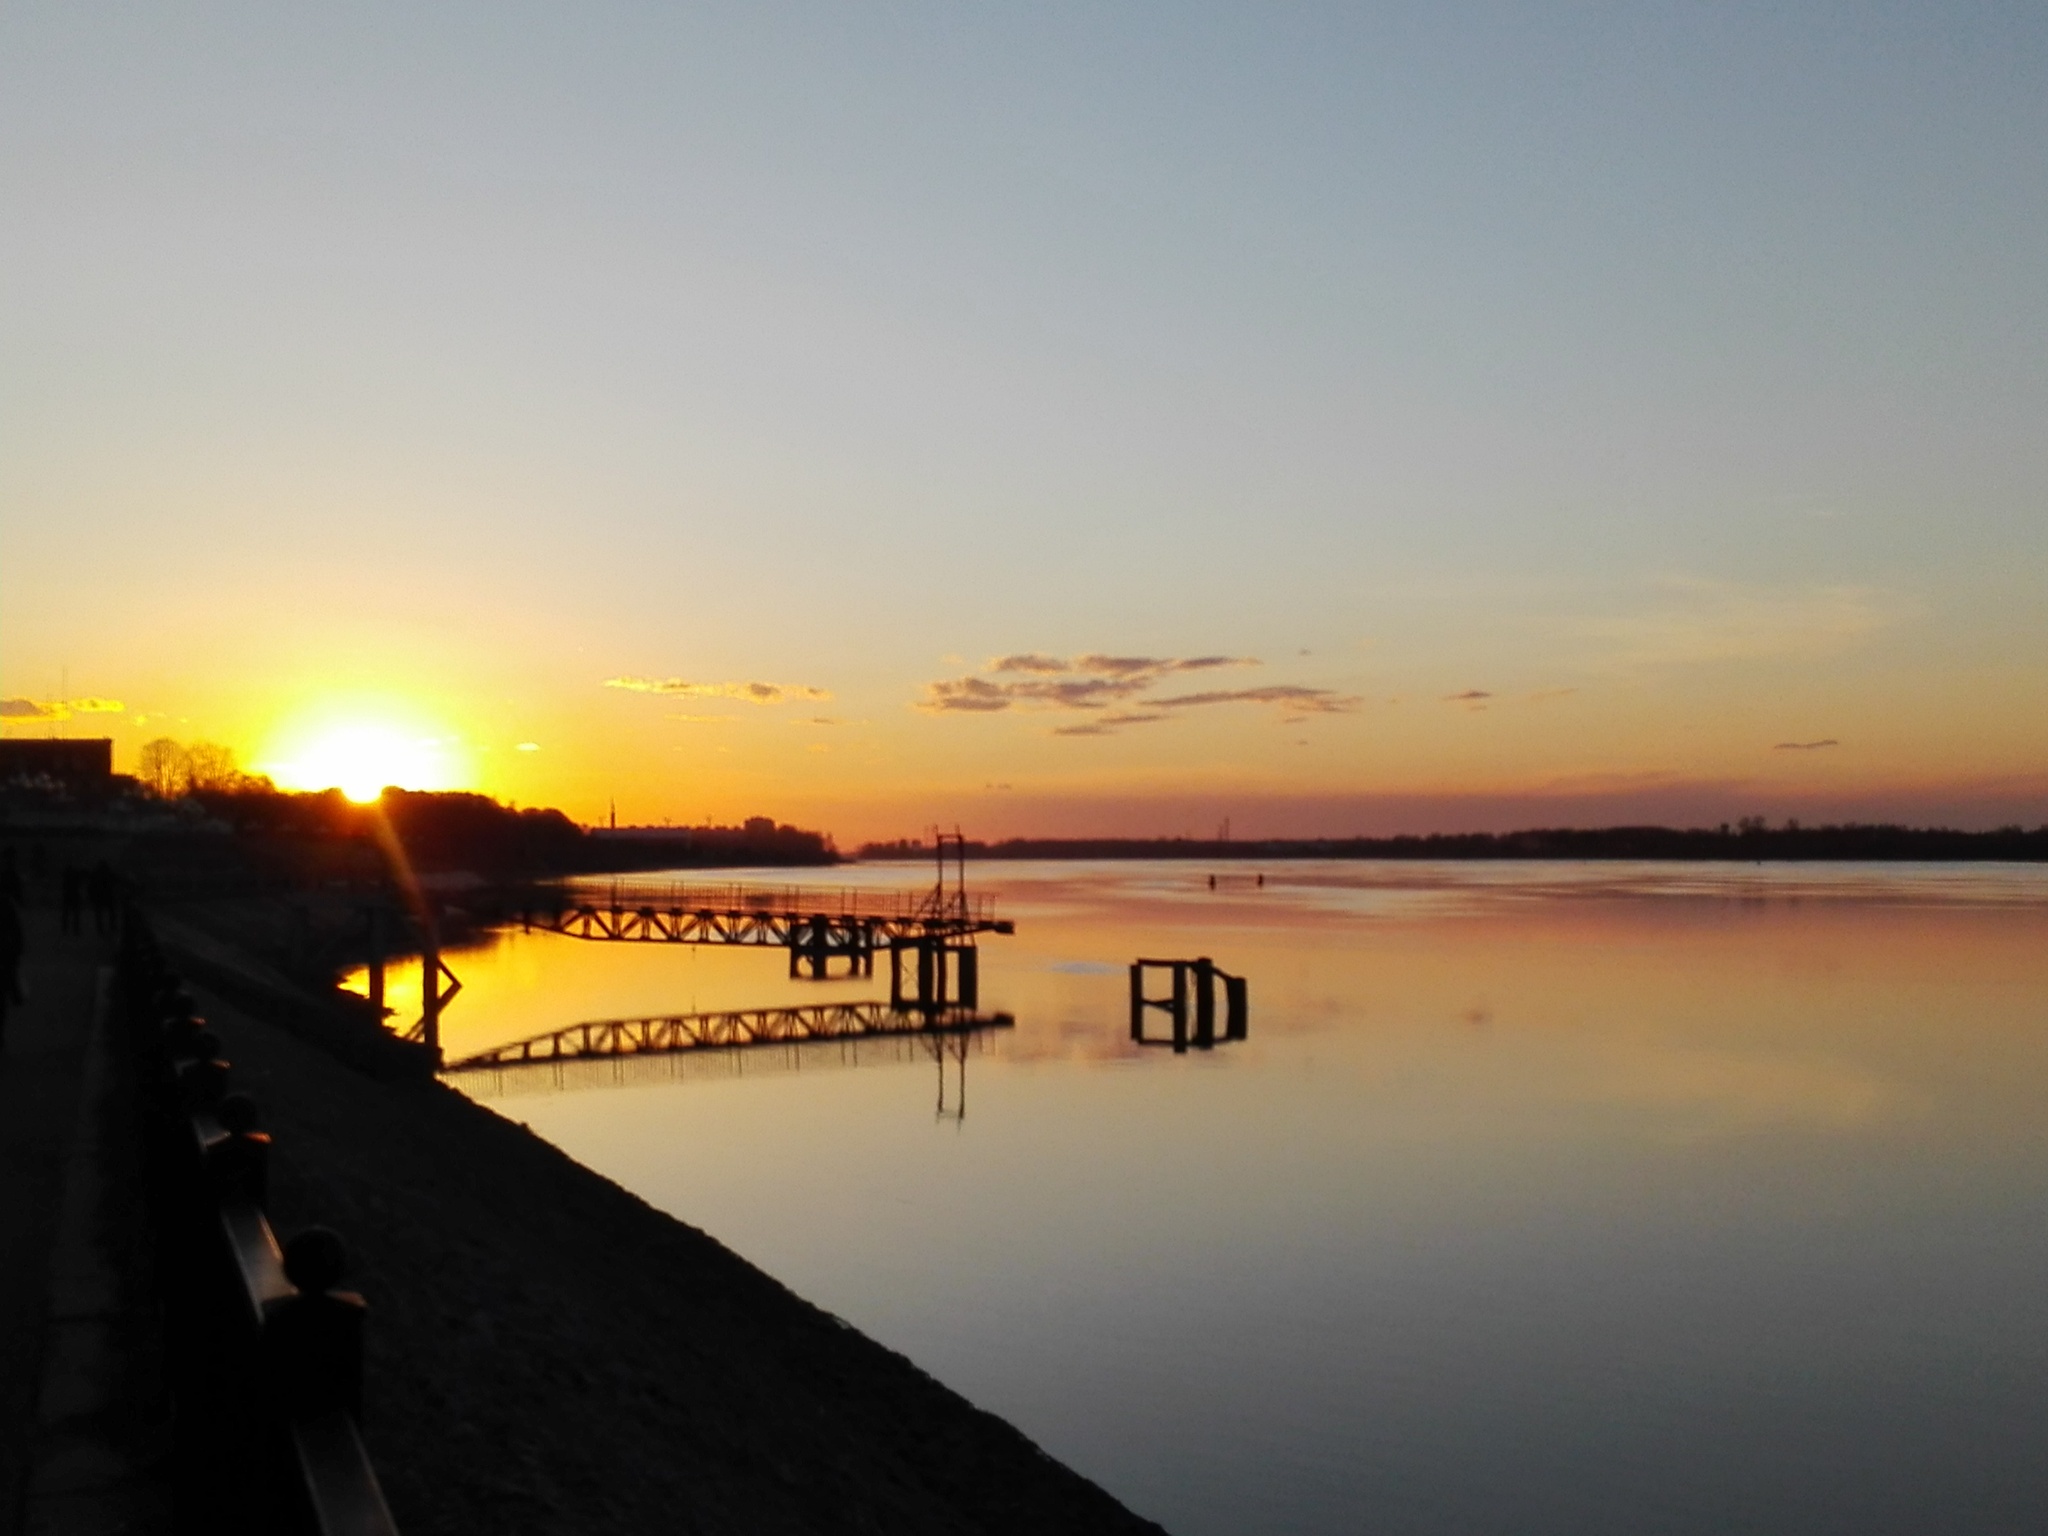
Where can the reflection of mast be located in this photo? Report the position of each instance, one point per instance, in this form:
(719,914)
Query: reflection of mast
(955,1046)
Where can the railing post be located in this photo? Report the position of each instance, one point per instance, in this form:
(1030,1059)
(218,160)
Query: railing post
(376,916)
(430,992)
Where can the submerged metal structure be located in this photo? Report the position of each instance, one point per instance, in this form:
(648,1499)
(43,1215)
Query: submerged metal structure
(1193,982)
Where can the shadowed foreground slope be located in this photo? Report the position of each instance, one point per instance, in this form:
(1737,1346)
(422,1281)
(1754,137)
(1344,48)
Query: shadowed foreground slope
(548,1353)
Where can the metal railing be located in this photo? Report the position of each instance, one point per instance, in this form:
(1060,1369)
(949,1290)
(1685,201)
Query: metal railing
(778,901)
(264,1351)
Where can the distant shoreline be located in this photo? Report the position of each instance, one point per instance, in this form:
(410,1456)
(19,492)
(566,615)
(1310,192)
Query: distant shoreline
(1746,844)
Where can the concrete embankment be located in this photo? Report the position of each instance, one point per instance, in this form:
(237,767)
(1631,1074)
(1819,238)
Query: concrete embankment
(548,1353)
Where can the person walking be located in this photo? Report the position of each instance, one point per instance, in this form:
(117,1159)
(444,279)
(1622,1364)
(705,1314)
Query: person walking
(103,889)
(13,938)
(72,909)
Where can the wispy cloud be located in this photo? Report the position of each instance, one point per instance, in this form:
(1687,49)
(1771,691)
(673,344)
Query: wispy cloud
(1097,682)
(1307,701)
(751,693)
(971,695)
(1693,621)
(1093,681)
(1469,696)
(1805,746)
(57,709)
(1108,725)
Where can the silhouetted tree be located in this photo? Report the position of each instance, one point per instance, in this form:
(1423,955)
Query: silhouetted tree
(209,766)
(161,768)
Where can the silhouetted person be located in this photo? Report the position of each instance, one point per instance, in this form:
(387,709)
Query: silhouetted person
(12,938)
(103,886)
(72,908)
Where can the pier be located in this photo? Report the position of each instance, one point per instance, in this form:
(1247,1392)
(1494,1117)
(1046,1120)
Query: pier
(929,935)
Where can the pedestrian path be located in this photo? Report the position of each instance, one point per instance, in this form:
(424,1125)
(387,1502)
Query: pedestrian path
(81,1405)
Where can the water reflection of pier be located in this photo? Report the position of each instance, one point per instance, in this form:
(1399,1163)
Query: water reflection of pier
(731,1029)
(776,1048)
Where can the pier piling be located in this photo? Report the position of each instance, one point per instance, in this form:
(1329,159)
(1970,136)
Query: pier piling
(1194,983)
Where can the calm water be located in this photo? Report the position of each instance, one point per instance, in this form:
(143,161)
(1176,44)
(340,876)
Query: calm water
(1542,1198)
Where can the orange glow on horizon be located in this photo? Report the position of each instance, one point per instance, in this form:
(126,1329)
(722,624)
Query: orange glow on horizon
(361,753)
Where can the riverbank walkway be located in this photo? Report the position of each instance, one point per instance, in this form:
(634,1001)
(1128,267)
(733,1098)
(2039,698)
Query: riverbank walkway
(83,1410)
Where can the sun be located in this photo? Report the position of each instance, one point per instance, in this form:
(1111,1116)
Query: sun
(360,757)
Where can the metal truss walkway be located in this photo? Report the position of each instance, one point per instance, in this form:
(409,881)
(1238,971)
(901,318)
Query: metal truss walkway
(734,1029)
(929,934)
(839,920)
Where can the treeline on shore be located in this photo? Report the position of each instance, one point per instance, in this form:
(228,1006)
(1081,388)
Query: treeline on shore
(323,831)
(1749,839)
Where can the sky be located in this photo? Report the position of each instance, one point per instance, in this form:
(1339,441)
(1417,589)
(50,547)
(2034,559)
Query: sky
(1043,419)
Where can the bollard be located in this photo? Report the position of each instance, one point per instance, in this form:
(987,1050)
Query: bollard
(312,1347)
(202,1083)
(238,1162)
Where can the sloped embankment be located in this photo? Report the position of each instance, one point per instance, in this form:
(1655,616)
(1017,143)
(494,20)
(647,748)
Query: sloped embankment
(548,1353)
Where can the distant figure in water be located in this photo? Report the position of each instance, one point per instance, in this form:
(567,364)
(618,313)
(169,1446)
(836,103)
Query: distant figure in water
(1212,882)
(1262,882)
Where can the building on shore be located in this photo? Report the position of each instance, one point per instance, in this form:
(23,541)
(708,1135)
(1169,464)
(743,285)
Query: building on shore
(83,765)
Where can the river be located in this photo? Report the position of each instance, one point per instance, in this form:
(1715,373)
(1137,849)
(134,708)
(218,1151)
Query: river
(1608,1198)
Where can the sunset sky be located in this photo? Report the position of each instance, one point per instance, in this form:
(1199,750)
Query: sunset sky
(1050,418)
